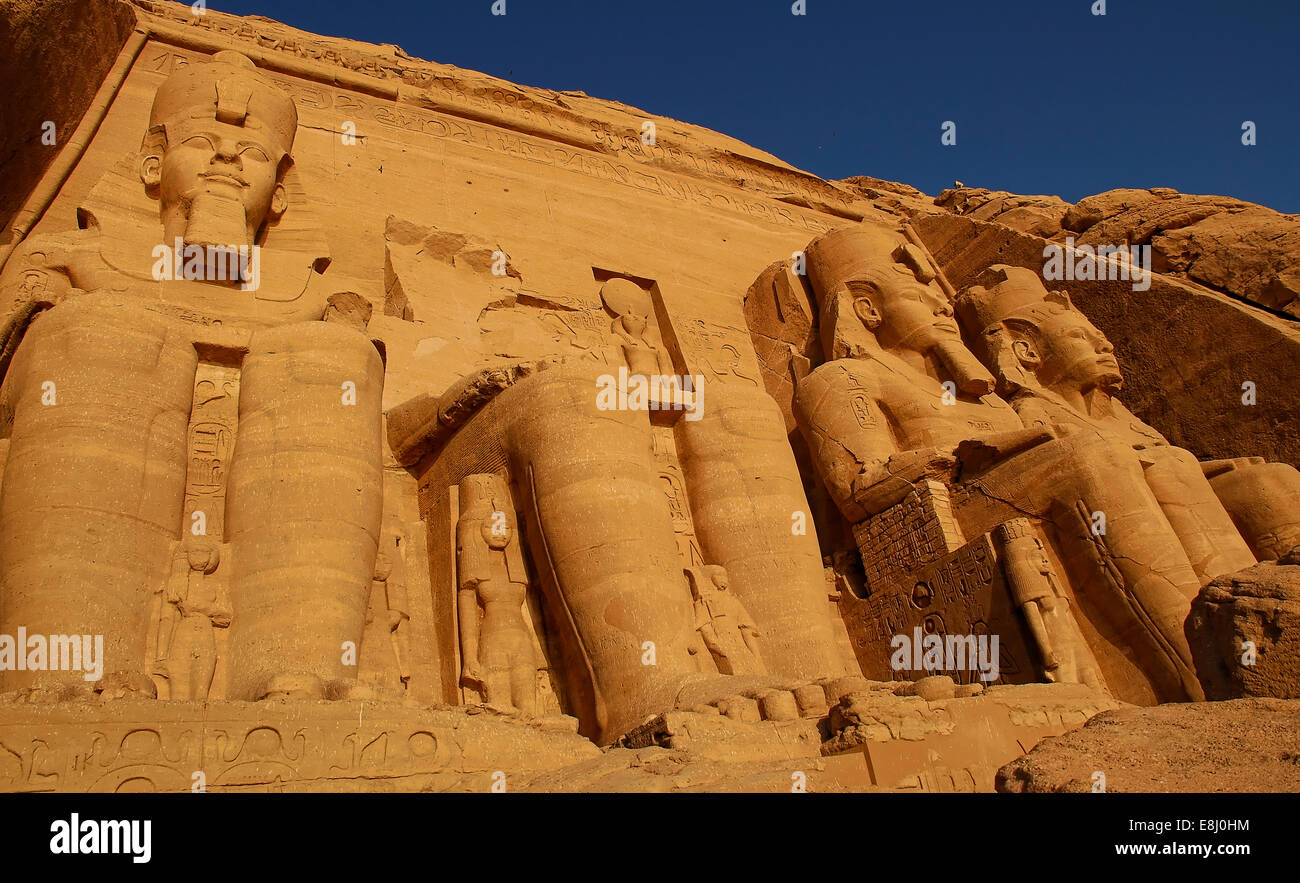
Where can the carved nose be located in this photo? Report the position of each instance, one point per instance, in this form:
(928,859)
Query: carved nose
(227,152)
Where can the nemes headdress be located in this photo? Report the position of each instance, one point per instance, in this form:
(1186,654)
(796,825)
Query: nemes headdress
(1012,296)
(847,252)
(230,90)
(835,258)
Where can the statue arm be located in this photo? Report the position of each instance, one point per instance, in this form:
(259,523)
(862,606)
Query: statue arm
(472,560)
(222,611)
(467,607)
(745,621)
(981,452)
(710,636)
(398,607)
(178,582)
(853,443)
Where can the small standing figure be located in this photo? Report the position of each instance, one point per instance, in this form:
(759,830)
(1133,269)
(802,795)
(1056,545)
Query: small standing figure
(497,648)
(631,307)
(194,604)
(723,623)
(1032,583)
(389,583)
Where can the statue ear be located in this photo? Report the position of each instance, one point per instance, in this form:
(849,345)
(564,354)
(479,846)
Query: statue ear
(151,171)
(279,201)
(1026,353)
(151,151)
(863,306)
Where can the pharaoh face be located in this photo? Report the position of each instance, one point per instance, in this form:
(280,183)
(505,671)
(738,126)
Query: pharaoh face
(383,566)
(216,164)
(1070,350)
(903,312)
(634,324)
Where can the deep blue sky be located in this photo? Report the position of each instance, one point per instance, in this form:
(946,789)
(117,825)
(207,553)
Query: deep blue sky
(1047,97)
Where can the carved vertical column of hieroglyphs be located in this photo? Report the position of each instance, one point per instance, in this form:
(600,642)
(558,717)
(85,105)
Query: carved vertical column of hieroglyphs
(210,441)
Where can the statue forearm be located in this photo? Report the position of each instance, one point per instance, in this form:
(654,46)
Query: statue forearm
(885,483)
(467,603)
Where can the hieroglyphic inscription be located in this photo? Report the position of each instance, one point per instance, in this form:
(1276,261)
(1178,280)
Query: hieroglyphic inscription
(513,107)
(961,593)
(211,441)
(904,537)
(673,484)
(534,149)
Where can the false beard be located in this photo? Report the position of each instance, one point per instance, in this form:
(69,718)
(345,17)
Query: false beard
(967,372)
(216,221)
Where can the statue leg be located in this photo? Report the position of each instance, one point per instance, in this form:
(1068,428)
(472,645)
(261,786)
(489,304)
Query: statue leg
(1212,542)
(523,676)
(303,509)
(496,678)
(1262,499)
(187,658)
(1128,562)
(205,660)
(602,534)
(101,395)
(752,517)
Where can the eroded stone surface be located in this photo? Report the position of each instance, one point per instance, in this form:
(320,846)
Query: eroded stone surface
(1244,745)
(386,426)
(1245,633)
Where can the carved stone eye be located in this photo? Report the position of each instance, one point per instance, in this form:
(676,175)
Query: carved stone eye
(254,152)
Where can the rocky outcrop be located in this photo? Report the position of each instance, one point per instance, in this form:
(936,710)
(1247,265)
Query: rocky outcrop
(1247,745)
(1245,633)
(1241,249)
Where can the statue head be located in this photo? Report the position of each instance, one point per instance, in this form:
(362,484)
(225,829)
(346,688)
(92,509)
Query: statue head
(496,528)
(485,501)
(383,566)
(629,303)
(707,580)
(202,554)
(1029,336)
(870,278)
(218,145)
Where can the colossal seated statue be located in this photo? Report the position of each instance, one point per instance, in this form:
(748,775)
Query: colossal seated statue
(156,393)
(1057,369)
(618,500)
(903,405)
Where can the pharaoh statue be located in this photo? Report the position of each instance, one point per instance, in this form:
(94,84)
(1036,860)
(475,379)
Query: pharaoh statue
(498,649)
(903,406)
(1058,370)
(728,632)
(118,442)
(601,524)
(194,604)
